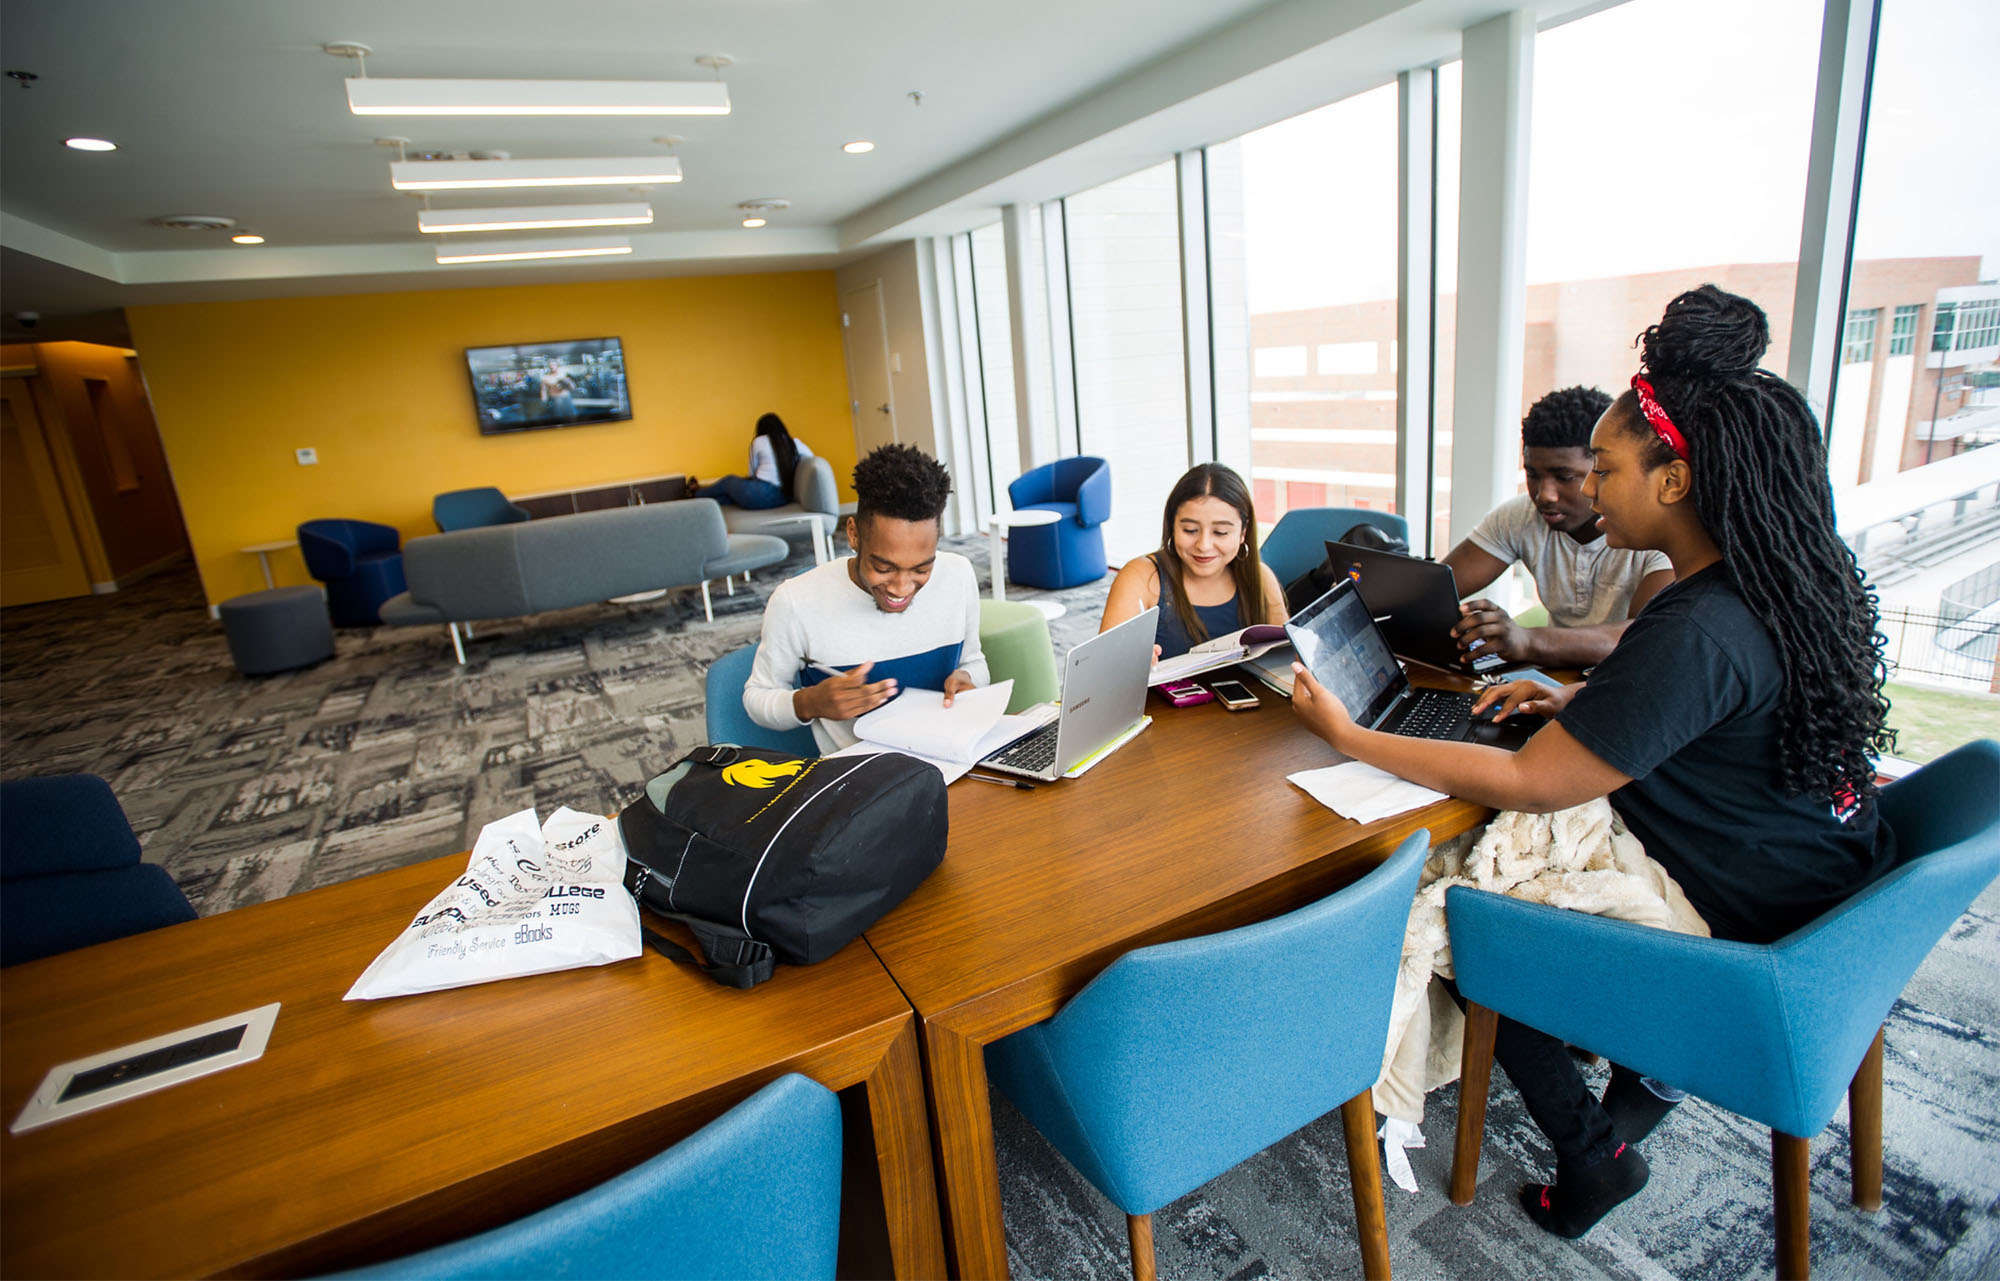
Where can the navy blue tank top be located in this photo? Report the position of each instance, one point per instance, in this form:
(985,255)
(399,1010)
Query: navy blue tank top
(1170,636)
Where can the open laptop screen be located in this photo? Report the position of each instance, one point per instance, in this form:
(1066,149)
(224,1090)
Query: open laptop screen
(1341,645)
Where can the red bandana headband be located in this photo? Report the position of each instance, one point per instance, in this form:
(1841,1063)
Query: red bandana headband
(1656,417)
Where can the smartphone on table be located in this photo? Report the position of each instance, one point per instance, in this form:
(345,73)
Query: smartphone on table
(1235,695)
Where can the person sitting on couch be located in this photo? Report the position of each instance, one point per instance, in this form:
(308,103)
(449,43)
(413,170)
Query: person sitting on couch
(842,639)
(774,457)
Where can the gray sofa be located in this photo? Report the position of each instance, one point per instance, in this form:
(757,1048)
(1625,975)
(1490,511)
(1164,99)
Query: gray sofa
(816,496)
(505,571)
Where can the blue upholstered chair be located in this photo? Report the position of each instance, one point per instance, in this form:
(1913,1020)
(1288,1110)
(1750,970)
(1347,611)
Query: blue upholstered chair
(70,872)
(473,508)
(755,1193)
(1181,1060)
(361,564)
(1070,551)
(1773,1032)
(1298,541)
(729,723)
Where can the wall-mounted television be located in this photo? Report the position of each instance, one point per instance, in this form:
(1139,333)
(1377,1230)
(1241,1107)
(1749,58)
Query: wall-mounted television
(529,386)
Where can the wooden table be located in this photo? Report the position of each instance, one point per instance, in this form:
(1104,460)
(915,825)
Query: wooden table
(370,1129)
(1187,829)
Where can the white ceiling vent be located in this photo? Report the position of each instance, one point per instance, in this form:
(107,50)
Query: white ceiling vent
(194,222)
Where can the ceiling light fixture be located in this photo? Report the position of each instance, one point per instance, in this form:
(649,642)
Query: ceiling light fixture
(538,216)
(524,250)
(754,210)
(469,175)
(537,97)
(247,238)
(859,147)
(90,144)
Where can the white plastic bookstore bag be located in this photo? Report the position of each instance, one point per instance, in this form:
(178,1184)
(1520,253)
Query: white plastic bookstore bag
(533,899)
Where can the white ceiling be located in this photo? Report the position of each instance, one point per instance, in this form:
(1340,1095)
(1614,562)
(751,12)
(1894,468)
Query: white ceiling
(230,107)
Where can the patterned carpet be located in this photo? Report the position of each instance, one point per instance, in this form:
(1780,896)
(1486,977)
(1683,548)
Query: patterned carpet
(252,788)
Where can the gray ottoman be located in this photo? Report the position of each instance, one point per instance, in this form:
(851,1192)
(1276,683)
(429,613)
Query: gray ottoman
(277,629)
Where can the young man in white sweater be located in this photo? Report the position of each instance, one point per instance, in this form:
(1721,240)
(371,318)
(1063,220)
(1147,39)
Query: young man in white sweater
(842,639)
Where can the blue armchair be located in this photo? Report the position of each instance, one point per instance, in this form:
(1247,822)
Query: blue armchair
(361,564)
(1183,1059)
(473,508)
(70,872)
(1773,1032)
(729,723)
(1070,551)
(1298,541)
(755,1193)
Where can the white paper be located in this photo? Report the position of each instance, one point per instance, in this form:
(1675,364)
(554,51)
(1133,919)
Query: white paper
(917,722)
(1004,731)
(1397,1137)
(1362,792)
(533,899)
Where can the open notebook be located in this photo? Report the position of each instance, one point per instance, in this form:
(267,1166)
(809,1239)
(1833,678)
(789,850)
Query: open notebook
(1238,646)
(917,723)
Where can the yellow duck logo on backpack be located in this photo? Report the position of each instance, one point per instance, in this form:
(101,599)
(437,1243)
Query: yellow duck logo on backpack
(756,773)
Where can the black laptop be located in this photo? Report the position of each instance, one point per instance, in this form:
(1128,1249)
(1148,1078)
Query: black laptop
(1340,643)
(1415,601)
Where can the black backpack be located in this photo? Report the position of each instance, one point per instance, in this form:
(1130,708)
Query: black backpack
(771,857)
(1319,580)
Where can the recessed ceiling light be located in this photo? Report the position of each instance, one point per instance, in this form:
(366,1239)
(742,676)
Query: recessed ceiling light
(753,222)
(248,239)
(90,144)
(859,147)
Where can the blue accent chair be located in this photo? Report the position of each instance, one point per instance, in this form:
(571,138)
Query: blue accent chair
(361,564)
(1773,1032)
(1298,541)
(474,508)
(729,723)
(755,1193)
(1070,551)
(1182,1059)
(70,871)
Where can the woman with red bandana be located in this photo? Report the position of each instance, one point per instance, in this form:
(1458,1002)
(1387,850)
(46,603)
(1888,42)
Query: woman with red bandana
(1732,727)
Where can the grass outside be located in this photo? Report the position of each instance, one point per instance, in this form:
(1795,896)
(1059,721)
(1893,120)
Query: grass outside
(1930,722)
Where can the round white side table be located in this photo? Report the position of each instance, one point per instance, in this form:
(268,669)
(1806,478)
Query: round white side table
(262,551)
(1000,521)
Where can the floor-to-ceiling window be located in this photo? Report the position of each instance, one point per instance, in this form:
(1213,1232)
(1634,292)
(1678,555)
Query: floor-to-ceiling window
(1663,157)
(996,355)
(1926,234)
(1123,243)
(1313,220)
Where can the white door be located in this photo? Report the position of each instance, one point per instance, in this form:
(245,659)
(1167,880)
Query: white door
(866,331)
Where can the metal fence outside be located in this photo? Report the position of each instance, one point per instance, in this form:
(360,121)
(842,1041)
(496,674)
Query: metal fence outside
(1955,650)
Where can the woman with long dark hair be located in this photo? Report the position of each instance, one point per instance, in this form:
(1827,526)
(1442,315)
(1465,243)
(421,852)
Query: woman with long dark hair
(1205,577)
(1734,725)
(774,457)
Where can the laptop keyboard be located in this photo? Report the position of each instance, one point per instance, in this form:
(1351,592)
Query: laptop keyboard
(1435,713)
(1036,753)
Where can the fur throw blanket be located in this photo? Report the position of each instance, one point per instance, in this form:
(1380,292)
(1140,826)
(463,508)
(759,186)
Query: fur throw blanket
(1580,858)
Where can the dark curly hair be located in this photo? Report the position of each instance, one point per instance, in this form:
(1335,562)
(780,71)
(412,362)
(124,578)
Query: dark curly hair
(1763,495)
(901,482)
(1563,419)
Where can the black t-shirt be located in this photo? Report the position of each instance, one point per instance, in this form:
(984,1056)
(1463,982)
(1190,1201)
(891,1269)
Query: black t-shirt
(1687,705)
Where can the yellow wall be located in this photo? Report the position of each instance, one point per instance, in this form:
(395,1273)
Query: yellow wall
(377,384)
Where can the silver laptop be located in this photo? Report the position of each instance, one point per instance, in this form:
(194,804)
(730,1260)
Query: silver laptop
(1103,697)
